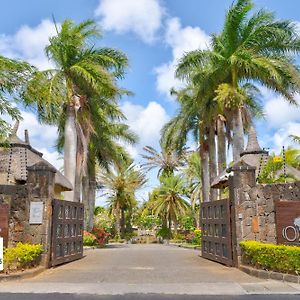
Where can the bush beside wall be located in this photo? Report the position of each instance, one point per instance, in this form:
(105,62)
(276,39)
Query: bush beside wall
(22,256)
(279,258)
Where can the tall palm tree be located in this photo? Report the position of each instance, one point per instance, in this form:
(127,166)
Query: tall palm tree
(120,184)
(13,76)
(167,161)
(81,70)
(251,47)
(170,200)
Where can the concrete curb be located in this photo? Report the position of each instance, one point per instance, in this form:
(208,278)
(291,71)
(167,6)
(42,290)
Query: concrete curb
(263,274)
(185,247)
(22,275)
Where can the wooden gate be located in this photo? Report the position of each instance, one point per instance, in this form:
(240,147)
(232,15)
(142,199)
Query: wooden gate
(4,210)
(67,231)
(216,231)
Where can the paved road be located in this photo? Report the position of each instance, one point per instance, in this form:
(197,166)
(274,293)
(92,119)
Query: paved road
(145,269)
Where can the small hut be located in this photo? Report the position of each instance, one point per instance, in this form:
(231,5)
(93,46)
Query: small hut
(17,155)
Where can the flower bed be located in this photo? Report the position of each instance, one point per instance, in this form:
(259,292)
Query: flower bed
(279,258)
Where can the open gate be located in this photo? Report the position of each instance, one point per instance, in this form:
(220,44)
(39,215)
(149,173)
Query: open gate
(216,231)
(67,231)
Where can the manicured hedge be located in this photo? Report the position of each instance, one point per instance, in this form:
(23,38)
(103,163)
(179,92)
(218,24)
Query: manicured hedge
(278,258)
(22,256)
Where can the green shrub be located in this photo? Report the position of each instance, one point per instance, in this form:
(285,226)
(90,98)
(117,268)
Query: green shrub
(164,233)
(22,256)
(89,239)
(197,237)
(178,236)
(279,258)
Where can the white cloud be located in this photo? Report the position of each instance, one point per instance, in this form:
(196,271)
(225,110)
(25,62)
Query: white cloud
(181,40)
(146,122)
(143,17)
(281,137)
(279,111)
(28,43)
(41,137)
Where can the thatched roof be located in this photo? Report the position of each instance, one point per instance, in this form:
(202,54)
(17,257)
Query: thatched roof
(253,156)
(18,155)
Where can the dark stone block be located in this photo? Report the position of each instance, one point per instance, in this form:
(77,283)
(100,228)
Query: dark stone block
(276,276)
(291,278)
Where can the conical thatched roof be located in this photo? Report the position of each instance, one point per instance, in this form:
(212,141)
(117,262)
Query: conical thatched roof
(253,156)
(17,156)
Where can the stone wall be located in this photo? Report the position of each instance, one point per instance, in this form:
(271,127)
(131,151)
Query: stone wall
(39,188)
(253,207)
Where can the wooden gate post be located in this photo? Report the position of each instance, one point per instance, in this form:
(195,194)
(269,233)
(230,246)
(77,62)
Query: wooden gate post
(41,190)
(242,179)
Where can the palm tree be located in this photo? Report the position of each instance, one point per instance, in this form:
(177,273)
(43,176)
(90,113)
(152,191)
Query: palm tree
(120,184)
(167,161)
(170,200)
(81,72)
(192,174)
(250,48)
(13,76)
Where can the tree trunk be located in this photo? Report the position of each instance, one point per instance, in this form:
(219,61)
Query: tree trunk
(91,195)
(85,200)
(238,134)
(221,145)
(122,223)
(205,167)
(117,212)
(212,161)
(78,176)
(70,150)
(175,226)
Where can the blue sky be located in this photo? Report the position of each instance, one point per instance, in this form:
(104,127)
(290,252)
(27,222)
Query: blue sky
(154,34)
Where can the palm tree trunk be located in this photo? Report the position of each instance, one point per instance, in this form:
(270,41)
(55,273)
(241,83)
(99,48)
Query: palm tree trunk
(238,134)
(205,166)
(221,145)
(175,226)
(212,161)
(70,150)
(85,198)
(78,175)
(122,223)
(91,195)
(117,212)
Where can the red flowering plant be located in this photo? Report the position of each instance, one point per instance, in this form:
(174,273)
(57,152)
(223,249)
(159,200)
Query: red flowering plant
(101,235)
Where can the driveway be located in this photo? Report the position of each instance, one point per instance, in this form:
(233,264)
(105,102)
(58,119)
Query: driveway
(146,269)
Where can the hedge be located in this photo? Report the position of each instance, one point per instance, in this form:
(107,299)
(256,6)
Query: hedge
(271,257)
(22,256)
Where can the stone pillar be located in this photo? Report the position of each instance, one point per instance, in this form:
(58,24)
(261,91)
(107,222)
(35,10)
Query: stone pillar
(242,207)
(40,183)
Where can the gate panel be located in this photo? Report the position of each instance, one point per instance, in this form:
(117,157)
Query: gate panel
(216,231)
(4,211)
(67,231)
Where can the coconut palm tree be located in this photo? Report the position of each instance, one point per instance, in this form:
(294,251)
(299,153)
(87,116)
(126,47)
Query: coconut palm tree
(81,71)
(13,76)
(251,47)
(119,184)
(167,161)
(169,200)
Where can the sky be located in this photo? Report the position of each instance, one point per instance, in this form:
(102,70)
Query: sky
(154,34)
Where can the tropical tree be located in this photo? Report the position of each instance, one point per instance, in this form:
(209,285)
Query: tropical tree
(170,201)
(81,72)
(13,76)
(254,47)
(119,184)
(167,161)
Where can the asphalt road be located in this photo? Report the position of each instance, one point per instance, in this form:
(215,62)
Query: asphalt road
(142,297)
(143,270)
